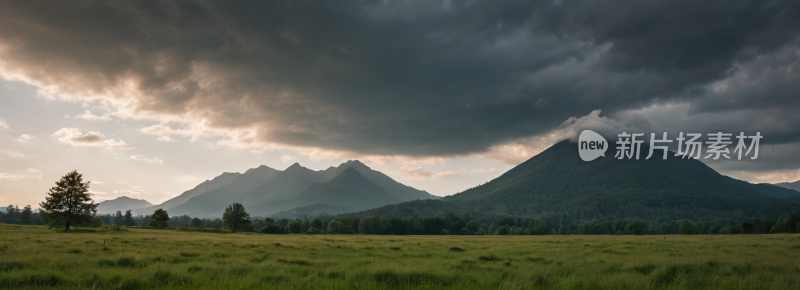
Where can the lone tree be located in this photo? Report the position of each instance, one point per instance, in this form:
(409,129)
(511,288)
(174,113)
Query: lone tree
(159,219)
(235,216)
(69,201)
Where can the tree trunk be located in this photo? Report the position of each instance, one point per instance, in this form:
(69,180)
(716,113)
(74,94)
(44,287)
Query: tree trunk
(66,227)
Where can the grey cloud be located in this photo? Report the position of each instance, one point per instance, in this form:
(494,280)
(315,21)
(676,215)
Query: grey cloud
(418,78)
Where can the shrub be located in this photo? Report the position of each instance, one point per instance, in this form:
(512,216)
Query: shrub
(271,229)
(504,230)
(686,228)
(747,227)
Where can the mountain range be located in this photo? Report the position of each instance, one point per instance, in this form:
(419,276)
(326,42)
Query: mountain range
(557,183)
(264,191)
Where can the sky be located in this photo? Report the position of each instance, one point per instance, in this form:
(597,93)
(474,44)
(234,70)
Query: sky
(149,98)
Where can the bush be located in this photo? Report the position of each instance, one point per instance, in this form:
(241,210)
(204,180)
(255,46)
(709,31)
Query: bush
(780,228)
(295,227)
(313,231)
(504,230)
(272,229)
(686,228)
(747,227)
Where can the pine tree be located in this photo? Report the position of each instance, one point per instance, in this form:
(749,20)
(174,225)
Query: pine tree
(118,219)
(69,201)
(129,221)
(235,216)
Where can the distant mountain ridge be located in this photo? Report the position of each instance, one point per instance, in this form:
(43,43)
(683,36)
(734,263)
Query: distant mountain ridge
(122,204)
(264,191)
(790,185)
(205,186)
(557,183)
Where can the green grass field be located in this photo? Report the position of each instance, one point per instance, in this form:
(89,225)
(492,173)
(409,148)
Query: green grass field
(34,257)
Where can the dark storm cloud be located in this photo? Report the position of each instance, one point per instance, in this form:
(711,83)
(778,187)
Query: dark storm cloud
(413,78)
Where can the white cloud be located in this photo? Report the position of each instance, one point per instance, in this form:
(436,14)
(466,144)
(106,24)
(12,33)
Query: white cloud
(519,151)
(3,124)
(99,183)
(91,117)
(165,139)
(414,171)
(142,158)
(419,172)
(484,170)
(444,174)
(12,154)
(74,137)
(196,132)
(27,174)
(286,158)
(25,138)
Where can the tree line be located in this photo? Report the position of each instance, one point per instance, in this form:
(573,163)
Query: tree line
(464,224)
(69,203)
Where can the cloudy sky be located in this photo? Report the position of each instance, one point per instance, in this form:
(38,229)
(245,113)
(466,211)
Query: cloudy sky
(149,98)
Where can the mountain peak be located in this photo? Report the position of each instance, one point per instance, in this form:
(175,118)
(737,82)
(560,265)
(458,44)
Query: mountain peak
(260,168)
(356,164)
(350,171)
(294,167)
(349,175)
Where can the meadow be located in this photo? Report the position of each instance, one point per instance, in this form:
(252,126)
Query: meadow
(33,257)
